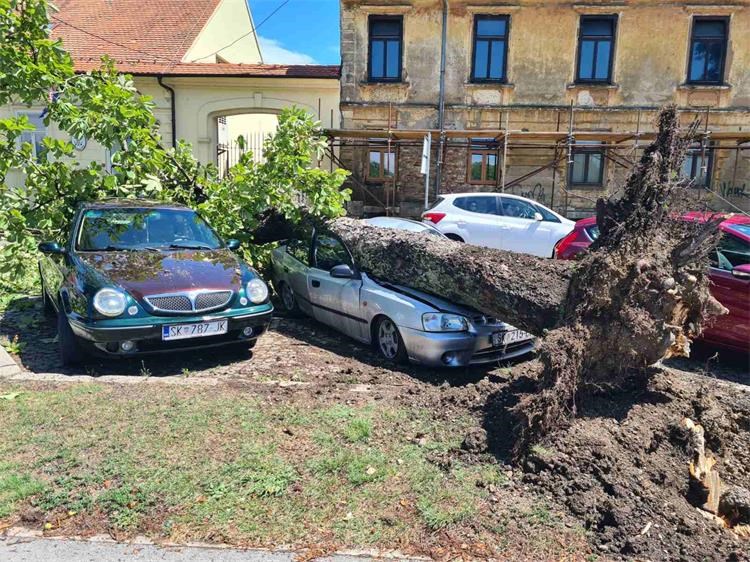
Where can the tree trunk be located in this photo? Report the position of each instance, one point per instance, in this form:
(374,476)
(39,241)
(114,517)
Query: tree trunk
(639,295)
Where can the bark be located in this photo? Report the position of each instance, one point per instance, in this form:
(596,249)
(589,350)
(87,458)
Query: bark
(639,295)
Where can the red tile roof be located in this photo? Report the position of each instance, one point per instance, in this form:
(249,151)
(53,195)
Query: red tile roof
(150,37)
(152,67)
(159,30)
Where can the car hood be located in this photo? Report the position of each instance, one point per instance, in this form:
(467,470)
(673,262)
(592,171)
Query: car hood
(144,273)
(436,302)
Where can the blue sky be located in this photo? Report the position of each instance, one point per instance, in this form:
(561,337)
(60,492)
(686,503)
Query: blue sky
(301,32)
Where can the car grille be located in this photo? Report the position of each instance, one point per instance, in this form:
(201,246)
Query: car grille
(482,320)
(190,302)
(172,303)
(205,301)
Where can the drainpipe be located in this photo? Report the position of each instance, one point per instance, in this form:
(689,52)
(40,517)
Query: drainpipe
(172,99)
(441,98)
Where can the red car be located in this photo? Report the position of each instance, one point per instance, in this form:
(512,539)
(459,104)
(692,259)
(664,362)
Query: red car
(729,274)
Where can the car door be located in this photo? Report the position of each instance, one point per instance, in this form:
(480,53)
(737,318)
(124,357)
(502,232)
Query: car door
(296,265)
(731,291)
(522,231)
(477,220)
(335,301)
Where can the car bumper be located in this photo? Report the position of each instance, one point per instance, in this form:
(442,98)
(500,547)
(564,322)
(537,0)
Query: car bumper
(459,349)
(106,335)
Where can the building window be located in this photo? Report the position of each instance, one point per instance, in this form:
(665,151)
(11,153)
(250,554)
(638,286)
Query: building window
(382,164)
(708,50)
(490,49)
(386,42)
(483,159)
(693,172)
(596,48)
(34,137)
(587,169)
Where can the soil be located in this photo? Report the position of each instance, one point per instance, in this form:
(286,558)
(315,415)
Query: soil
(620,469)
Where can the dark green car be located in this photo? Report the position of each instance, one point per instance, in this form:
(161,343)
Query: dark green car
(141,277)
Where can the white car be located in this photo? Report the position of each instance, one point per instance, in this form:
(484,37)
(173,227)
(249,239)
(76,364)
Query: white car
(317,275)
(499,220)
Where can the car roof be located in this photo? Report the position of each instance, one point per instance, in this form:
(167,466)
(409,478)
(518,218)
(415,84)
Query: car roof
(120,203)
(729,219)
(486,194)
(397,222)
(583,223)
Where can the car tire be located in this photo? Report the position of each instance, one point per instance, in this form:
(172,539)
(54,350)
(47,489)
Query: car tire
(454,237)
(388,341)
(251,344)
(288,300)
(68,345)
(47,306)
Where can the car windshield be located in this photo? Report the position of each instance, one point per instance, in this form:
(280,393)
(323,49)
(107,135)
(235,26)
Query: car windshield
(144,229)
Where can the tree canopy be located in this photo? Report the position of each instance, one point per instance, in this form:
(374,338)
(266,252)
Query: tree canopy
(41,186)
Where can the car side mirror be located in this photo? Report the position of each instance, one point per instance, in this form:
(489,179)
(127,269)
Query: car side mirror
(52,248)
(342,271)
(742,272)
(538,216)
(233,244)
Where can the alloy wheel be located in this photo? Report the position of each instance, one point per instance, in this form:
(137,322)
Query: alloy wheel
(287,297)
(388,339)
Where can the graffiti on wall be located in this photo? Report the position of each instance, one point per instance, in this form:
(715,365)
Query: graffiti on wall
(728,190)
(537,193)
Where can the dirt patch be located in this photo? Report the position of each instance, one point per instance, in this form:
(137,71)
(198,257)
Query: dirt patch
(621,467)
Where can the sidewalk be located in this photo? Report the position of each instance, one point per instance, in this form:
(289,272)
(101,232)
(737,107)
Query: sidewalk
(30,549)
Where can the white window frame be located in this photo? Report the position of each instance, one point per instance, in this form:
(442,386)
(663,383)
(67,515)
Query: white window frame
(35,134)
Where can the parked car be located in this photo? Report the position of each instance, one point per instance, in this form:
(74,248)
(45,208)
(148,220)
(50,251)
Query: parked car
(141,277)
(495,220)
(729,275)
(317,275)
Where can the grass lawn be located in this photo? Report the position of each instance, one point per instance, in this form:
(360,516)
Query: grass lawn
(181,464)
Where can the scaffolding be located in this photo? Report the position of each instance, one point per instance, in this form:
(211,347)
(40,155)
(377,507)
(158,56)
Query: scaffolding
(622,148)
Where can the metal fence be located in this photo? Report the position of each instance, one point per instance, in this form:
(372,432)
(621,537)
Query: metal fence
(228,154)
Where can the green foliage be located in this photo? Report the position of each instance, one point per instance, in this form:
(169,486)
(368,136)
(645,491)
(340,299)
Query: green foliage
(105,106)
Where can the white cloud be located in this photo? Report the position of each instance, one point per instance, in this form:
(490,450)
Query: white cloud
(275,53)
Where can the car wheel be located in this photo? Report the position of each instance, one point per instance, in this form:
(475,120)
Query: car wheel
(67,342)
(251,344)
(288,300)
(388,341)
(47,306)
(454,237)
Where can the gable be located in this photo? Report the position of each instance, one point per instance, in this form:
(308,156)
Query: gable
(227,36)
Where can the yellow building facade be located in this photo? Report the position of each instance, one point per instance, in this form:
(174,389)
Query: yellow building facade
(553,100)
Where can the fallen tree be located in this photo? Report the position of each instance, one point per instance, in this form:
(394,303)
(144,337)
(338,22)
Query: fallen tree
(638,296)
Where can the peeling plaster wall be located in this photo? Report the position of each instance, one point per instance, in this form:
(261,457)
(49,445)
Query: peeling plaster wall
(649,70)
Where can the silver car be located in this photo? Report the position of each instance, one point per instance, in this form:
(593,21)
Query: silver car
(317,275)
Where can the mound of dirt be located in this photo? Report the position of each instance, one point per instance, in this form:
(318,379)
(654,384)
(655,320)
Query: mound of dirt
(621,467)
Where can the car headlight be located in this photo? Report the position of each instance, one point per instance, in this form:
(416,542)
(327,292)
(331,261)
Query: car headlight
(110,302)
(440,322)
(257,291)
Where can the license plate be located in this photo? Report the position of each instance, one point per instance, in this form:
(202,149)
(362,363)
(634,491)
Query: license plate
(511,336)
(197,330)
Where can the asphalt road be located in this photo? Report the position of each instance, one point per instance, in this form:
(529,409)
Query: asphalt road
(57,550)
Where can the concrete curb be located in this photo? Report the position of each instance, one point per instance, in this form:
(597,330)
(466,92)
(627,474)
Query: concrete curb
(21,535)
(8,366)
